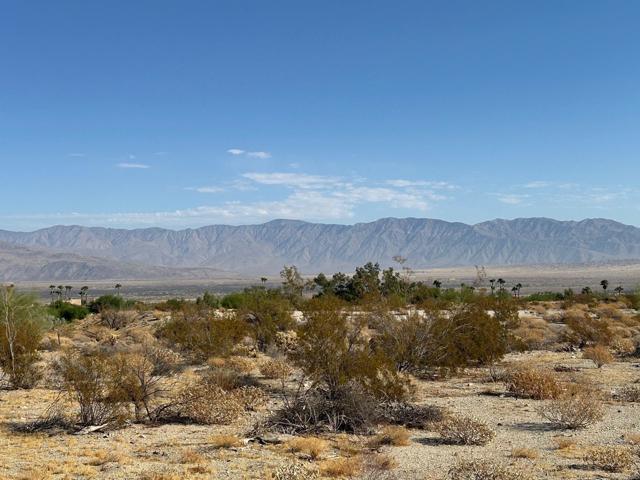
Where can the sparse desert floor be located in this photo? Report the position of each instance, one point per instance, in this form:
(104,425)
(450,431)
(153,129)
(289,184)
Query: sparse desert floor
(186,451)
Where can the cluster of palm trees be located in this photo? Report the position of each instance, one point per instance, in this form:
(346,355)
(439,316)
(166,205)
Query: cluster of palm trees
(63,292)
(499,283)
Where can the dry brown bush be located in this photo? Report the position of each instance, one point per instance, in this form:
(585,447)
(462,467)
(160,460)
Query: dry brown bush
(564,443)
(528,453)
(535,333)
(251,398)
(312,446)
(610,311)
(341,467)
(611,458)
(527,382)
(286,342)
(207,404)
(410,415)
(578,407)
(274,368)
(292,471)
(391,435)
(459,430)
(485,470)
(116,319)
(629,393)
(242,365)
(224,441)
(598,354)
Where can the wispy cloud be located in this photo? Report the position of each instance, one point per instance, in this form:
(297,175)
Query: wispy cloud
(421,183)
(511,198)
(235,151)
(261,155)
(258,154)
(297,180)
(211,189)
(132,165)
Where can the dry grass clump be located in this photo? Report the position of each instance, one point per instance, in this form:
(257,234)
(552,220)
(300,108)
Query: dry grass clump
(242,365)
(632,438)
(564,443)
(528,453)
(207,404)
(598,354)
(341,467)
(535,333)
(623,346)
(527,382)
(484,470)
(392,435)
(292,471)
(578,407)
(224,441)
(312,446)
(191,456)
(610,458)
(459,430)
(274,368)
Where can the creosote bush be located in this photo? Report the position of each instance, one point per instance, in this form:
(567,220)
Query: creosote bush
(460,430)
(22,327)
(610,458)
(527,382)
(484,470)
(578,407)
(598,354)
(274,368)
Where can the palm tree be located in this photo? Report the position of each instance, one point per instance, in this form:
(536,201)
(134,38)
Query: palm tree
(501,282)
(437,284)
(59,291)
(605,285)
(514,290)
(263,280)
(619,289)
(67,289)
(83,295)
(118,287)
(586,291)
(518,288)
(52,289)
(492,283)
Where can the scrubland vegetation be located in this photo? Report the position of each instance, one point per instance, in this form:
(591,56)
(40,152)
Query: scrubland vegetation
(367,376)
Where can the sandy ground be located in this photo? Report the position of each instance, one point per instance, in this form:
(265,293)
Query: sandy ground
(185,451)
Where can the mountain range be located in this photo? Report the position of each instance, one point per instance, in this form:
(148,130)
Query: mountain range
(76,252)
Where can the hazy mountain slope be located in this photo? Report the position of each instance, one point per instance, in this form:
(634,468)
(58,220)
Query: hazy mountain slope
(18,263)
(315,247)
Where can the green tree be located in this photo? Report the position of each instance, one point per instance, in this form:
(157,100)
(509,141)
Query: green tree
(22,325)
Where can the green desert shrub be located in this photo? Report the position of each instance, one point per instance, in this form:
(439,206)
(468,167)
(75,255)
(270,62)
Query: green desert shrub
(67,311)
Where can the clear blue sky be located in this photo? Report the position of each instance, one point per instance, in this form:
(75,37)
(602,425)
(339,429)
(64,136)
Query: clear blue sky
(185,113)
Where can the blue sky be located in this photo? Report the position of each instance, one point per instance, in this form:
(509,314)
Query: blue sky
(185,113)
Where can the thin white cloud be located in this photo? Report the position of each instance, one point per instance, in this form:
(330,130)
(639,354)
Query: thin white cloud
(511,198)
(538,184)
(132,165)
(235,151)
(211,189)
(400,183)
(260,155)
(297,180)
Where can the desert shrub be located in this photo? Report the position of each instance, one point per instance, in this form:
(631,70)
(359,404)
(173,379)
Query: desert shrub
(484,470)
(251,398)
(286,342)
(67,311)
(115,319)
(22,327)
(527,382)
(312,446)
(224,441)
(392,435)
(267,312)
(293,471)
(225,378)
(578,407)
(206,404)
(203,336)
(410,415)
(341,467)
(333,352)
(274,368)
(459,430)
(582,330)
(109,302)
(598,354)
(611,458)
(623,346)
(242,365)
(93,382)
(528,453)
(535,333)
(629,393)
(347,409)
